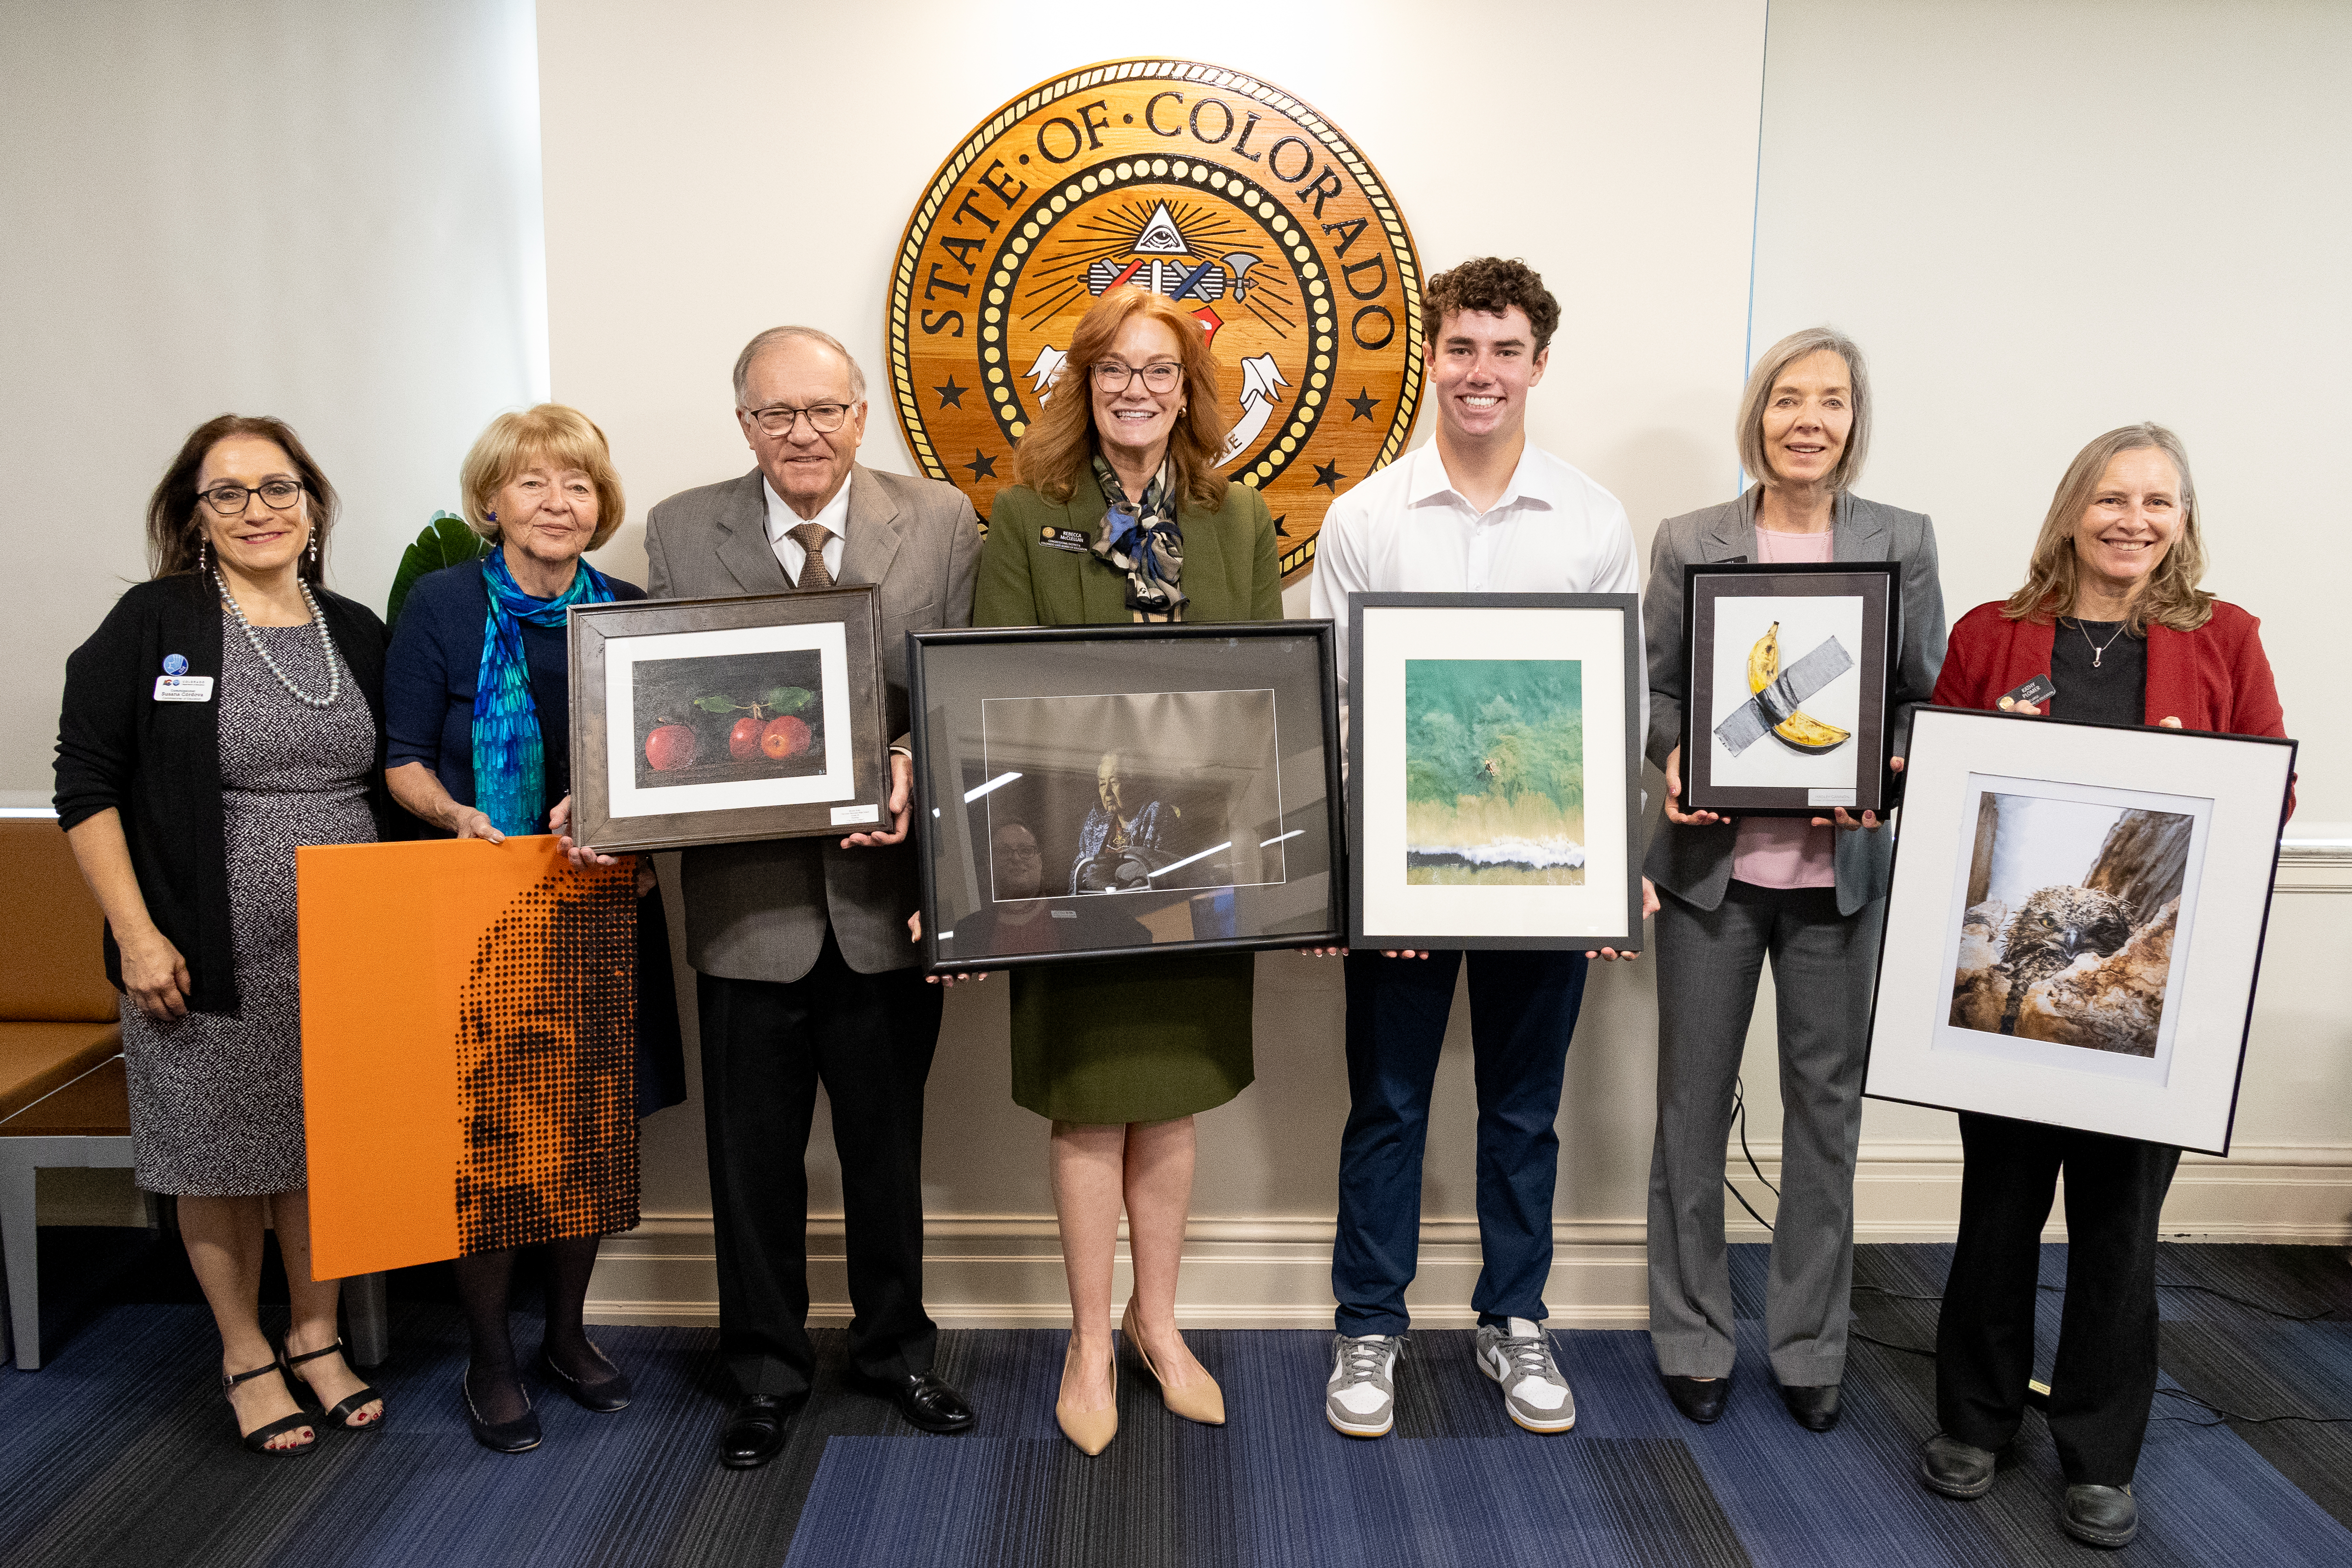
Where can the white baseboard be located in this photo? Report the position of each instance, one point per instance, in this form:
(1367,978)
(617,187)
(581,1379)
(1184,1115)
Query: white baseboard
(1274,1271)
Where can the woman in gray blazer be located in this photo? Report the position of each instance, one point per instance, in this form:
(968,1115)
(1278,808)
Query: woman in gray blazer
(1809,895)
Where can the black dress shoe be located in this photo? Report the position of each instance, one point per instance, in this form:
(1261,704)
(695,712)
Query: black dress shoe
(1700,1398)
(1815,1405)
(519,1435)
(2100,1516)
(1956,1468)
(754,1430)
(611,1395)
(925,1402)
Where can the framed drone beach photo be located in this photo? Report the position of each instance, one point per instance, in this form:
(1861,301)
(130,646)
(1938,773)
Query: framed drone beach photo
(1789,666)
(1495,771)
(712,720)
(2076,923)
(1091,791)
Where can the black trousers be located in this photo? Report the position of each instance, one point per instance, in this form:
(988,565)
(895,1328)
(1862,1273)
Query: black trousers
(868,1038)
(2104,1377)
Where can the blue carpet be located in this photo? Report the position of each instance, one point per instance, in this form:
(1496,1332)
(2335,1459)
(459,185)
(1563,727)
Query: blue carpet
(121,1453)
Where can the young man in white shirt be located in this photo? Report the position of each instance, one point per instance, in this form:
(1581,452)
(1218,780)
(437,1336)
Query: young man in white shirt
(1476,510)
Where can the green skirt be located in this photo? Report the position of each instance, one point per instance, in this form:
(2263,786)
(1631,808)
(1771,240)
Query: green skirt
(1132,1039)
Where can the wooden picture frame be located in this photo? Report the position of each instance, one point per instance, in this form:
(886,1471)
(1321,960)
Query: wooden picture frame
(666,693)
(1084,792)
(1495,845)
(1753,745)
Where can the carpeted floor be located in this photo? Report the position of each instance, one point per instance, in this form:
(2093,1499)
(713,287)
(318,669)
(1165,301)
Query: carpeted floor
(119,1452)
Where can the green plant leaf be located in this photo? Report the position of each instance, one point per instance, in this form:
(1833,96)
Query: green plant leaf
(445,541)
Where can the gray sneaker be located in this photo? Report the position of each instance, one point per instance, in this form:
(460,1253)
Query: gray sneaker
(1360,1397)
(1518,1356)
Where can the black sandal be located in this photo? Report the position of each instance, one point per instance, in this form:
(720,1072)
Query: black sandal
(258,1440)
(345,1408)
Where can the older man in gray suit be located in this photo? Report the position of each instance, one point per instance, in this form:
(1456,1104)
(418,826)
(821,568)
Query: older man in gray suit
(805,974)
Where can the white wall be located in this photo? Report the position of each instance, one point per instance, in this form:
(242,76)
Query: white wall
(326,212)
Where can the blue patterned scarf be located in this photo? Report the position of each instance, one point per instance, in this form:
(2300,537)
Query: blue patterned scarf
(510,774)
(1142,539)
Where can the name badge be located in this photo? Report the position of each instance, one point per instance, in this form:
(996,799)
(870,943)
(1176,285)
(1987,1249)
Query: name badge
(1073,540)
(184,688)
(2038,691)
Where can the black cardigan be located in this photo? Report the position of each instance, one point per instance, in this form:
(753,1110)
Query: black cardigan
(158,763)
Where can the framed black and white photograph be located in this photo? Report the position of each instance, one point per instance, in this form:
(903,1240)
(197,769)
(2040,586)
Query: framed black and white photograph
(1493,770)
(1087,790)
(711,720)
(2066,944)
(1789,666)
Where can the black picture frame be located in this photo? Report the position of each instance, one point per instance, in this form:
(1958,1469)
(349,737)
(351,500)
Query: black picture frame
(1859,781)
(830,636)
(1233,689)
(1512,625)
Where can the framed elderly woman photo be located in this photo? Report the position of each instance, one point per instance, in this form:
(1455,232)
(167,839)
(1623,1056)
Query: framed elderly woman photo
(2066,943)
(708,721)
(1494,770)
(1787,670)
(1097,790)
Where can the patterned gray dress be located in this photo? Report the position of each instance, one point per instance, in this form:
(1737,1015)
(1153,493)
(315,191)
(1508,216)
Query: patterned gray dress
(216,1098)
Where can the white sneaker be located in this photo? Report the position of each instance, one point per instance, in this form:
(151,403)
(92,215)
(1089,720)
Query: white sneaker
(1360,1397)
(1518,1356)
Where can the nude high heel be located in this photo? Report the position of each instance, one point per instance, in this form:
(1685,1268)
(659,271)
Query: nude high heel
(1090,1431)
(1194,1402)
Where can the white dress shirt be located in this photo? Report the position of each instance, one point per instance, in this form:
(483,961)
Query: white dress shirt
(782,520)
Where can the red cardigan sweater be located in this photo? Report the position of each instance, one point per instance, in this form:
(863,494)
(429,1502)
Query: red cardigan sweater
(2216,677)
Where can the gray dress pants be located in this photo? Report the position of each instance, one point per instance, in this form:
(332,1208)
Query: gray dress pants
(1823,965)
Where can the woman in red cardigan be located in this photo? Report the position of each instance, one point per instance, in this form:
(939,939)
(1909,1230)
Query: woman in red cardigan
(2111,611)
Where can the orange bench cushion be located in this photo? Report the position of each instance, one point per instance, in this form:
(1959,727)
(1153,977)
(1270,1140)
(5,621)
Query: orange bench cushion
(49,926)
(36,1059)
(95,1105)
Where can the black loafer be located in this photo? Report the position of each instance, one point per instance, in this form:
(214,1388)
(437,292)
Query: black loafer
(753,1432)
(1701,1399)
(1956,1468)
(2100,1516)
(519,1435)
(613,1394)
(925,1402)
(1815,1405)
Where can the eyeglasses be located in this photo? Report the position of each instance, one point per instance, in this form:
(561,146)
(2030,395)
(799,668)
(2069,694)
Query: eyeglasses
(229,500)
(1160,377)
(1019,852)
(824,419)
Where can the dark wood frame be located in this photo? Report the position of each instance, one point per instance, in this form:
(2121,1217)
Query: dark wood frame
(592,626)
(928,805)
(1630,606)
(1881,637)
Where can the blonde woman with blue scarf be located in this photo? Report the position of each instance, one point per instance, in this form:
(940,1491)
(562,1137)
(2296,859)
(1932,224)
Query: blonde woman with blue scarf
(476,704)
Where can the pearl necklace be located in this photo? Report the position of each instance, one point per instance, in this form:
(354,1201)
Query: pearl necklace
(326,646)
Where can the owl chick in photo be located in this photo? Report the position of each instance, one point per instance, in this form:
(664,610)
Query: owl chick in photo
(2051,930)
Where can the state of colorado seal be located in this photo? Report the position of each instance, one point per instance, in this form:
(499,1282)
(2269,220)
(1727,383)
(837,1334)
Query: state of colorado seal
(1225,194)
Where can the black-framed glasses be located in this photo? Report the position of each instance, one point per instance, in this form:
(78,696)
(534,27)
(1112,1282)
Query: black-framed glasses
(824,419)
(229,500)
(1159,375)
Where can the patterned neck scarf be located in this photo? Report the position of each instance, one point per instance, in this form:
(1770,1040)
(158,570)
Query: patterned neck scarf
(1143,541)
(510,774)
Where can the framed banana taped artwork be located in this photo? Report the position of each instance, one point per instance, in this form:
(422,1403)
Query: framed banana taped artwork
(1789,668)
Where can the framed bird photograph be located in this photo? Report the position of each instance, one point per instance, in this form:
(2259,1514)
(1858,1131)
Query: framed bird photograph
(1494,770)
(1089,791)
(711,720)
(1789,666)
(2066,943)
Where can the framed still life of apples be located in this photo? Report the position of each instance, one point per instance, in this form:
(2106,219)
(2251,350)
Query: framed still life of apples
(708,721)
(1788,668)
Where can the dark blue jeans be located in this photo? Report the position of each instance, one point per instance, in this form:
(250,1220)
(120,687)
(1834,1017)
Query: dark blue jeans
(1523,1008)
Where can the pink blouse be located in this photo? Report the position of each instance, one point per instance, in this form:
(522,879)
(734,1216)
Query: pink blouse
(1785,851)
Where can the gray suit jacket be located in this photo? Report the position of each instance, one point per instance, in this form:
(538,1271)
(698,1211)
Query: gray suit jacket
(1695,863)
(758,911)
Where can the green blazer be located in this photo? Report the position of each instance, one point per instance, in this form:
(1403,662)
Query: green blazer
(1230,570)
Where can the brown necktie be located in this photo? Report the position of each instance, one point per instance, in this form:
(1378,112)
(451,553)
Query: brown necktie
(811,537)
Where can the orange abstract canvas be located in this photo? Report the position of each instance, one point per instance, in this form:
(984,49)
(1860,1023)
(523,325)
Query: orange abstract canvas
(467,1050)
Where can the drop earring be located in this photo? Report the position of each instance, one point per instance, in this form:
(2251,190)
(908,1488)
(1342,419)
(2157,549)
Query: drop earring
(314,550)
(204,558)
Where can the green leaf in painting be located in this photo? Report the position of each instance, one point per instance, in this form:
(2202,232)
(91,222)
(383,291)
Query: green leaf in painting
(785,699)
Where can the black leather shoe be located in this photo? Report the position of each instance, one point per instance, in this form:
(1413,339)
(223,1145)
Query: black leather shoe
(925,1402)
(1701,1399)
(605,1397)
(754,1430)
(2100,1516)
(1956,1468)
(1815,1405)
(519,1435)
